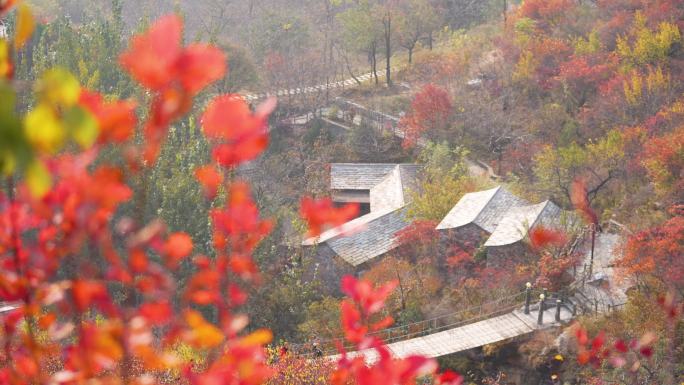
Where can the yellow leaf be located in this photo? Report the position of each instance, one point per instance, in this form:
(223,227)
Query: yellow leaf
(5,60)
(58,88)
(258,338)
(8,163)
(203,334)
(38,179)
(44,130)
(83,126)
(25,26)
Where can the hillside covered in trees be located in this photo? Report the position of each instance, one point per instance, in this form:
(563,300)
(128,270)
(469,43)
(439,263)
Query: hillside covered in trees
(341,192)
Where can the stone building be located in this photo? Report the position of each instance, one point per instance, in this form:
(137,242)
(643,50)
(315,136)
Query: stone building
(476,216)
(498,221)
(507,242)
(353,246)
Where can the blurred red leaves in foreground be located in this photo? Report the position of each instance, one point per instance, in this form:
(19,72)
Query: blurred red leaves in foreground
(322,214)
(239,135)
(580,200)
(364,302)
(542,237)
(619,354)
(98,295)
(175,74)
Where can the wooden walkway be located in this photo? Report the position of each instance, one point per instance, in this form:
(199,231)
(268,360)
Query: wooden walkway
(459,339)
(313,89)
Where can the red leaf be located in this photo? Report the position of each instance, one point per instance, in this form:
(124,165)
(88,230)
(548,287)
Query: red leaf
(598,341)
(580,200)
(321,214)
(138,261)
(157,313)
(237,295)
(582,337)
(241,135)
(450,378)
(87,292)
(200,65)
(210,179)
(583,357)
(542,237)
(621,346)
(153,56)
(361,291)
(177,247)
(116,120)
(646,351)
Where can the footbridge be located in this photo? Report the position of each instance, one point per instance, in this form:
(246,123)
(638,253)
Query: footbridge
(341,84)
(499,320)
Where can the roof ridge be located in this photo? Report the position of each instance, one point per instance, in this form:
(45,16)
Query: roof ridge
(498,189)
(539,215)
(401,183)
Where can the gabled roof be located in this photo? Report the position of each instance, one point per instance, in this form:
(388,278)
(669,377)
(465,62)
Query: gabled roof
(373,234)
(483,208)
(393,191)
(515,225)
(364,238)
(355,225)
(358,176)
(377,238)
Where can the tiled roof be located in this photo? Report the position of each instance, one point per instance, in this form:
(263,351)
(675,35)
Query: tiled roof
(514,226)
(377,238)
(358,176)
(393,191)
(355,225)
(373,234)
(483,208)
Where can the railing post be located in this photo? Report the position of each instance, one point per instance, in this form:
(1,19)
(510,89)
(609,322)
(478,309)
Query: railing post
(540,317)
(558,309)
(528,297)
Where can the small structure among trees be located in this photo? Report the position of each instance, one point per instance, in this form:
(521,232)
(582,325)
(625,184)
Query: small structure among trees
(477,215)
(352,182)
(500,219)
(349,248)
(507,240)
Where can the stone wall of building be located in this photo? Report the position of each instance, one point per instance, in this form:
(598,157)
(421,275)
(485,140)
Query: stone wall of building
(509,255)
(326,267)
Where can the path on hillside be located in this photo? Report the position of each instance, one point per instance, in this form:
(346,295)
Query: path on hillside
(250,97)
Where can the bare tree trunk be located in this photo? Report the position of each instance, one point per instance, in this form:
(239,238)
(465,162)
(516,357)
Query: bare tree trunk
(388,46)
(348,66)
(505,11)
(374,62)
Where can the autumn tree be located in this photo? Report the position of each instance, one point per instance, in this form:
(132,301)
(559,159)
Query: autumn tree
(599,162)
(417,285)
(655,253)
(95,294)
(418,19)
(431,113)
(362,33)
(444,180)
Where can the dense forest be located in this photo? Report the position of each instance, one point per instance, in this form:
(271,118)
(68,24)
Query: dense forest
(178,180)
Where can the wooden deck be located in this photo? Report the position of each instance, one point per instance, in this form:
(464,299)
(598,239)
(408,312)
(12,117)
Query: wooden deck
(471,336)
